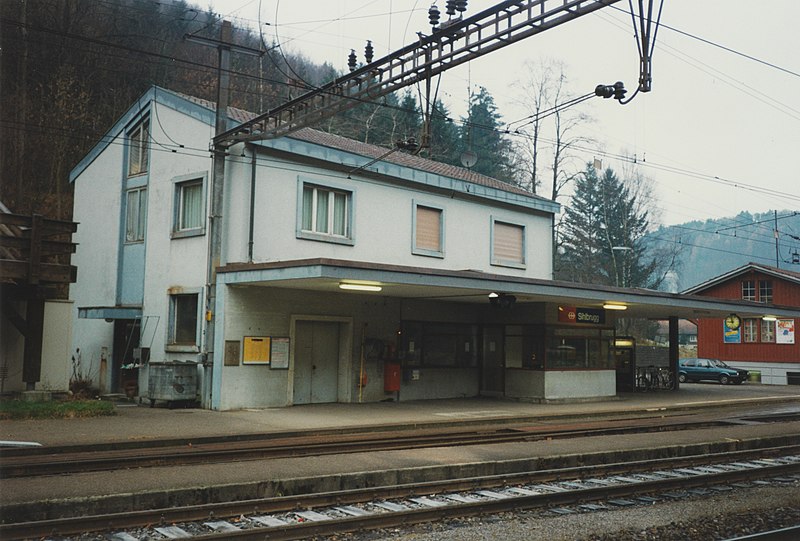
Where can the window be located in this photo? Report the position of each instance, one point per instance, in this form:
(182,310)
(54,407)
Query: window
(135,214)
(428,231)
(765,291)
(189,214)
(326,214)
(183,320)
(508,244)
(749,290)
(137,148)
(750,331)
(439,344)
(767,331)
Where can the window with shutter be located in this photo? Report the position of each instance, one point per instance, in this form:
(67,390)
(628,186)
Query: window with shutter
(428,231)
(508,244)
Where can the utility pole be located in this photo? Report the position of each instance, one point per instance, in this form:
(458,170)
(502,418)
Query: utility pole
(217,191)
(777,249)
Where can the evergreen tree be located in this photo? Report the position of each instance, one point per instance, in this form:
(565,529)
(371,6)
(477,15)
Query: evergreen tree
(481,133)
(604,232)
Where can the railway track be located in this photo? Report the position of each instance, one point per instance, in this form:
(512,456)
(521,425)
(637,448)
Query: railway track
(30,462)
(564,490)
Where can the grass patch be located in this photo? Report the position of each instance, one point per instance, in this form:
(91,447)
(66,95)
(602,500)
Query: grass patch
(56,409)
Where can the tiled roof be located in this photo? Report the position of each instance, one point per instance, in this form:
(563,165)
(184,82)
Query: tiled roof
(374,151)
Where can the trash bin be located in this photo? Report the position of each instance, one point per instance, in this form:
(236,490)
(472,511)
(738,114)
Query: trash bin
(754,376)
(172,381)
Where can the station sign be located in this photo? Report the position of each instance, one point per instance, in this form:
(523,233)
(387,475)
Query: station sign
(585,316)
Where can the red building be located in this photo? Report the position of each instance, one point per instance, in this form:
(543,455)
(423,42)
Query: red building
(767,345)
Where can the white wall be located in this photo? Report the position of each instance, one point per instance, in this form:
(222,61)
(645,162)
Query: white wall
(56,342)
(383,215)
(178,263)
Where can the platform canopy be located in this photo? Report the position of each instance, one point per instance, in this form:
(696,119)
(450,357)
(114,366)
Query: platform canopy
(471,286)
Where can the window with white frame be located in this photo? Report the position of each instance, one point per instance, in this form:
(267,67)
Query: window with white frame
(326,214)
(765,291)
(767,331)
(750,330)
(748,290)
(135,214)
(189,215)
(428,231)
(183,320)
(508,244)
(137,148)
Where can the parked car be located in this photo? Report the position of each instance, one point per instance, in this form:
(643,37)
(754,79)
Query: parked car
(694,369)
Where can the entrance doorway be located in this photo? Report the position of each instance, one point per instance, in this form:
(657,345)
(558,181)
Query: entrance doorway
(124,377)
(492,367)
(316,362)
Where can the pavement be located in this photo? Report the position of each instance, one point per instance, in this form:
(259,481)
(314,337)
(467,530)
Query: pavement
(140,422)
(44,497)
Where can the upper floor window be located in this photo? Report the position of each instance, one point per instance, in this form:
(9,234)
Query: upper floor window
(189,213)
(765,291)
(137,148)
(748,290)
(135,214)
(428,231)
(750,330)
(508,244)
(326,214)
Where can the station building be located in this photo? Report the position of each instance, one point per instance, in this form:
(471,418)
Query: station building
(346,274)
(766,346)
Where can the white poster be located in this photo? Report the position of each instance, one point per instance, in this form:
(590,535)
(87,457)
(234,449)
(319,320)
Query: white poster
(784,331)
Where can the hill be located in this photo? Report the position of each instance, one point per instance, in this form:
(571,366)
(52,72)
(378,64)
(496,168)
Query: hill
(712,247)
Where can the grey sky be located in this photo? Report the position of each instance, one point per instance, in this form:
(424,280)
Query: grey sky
(718,134)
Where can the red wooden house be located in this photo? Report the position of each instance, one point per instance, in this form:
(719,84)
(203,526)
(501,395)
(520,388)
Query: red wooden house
(769,346)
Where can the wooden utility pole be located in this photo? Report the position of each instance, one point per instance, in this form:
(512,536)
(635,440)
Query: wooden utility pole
(224,46)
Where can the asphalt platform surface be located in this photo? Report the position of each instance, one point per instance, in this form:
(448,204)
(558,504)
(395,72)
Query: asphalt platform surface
(159,486)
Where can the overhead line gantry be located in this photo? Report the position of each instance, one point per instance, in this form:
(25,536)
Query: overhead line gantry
(450,44)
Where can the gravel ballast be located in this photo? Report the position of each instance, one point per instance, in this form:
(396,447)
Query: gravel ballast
(711,518)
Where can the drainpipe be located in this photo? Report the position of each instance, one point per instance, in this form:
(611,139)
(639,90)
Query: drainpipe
(251,232)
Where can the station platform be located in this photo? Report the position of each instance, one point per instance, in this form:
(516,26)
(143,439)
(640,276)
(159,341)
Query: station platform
(156,487)
(141,422)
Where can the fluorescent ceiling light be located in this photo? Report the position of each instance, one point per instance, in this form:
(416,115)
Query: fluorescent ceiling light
(359,287)
(769,318)
(612,306)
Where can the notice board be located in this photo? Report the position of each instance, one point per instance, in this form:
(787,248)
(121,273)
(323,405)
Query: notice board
(256,350)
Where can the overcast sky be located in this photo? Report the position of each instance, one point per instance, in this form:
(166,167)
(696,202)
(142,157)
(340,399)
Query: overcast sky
(718,134)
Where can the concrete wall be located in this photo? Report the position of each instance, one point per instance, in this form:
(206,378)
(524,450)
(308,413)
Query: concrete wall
(262,311)
(571,384)
(771,373)
(559,385)
(56,349)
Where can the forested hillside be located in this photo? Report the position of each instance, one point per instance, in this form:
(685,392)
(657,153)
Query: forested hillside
(713,247)
(70,68)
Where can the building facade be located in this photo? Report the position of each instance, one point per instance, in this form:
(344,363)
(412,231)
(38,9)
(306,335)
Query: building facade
(304,218)
(344,273)
(765,345)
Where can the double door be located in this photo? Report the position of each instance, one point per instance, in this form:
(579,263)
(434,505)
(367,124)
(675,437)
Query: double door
(316,362)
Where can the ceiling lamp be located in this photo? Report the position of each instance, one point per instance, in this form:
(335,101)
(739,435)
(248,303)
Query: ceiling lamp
(614,306)
(350,286)
(769,318)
